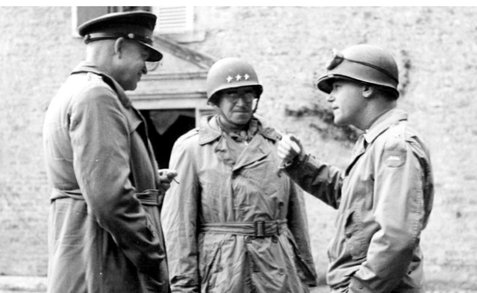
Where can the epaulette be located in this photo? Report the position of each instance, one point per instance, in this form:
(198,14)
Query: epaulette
(271,134)
(190,133)
(94,76)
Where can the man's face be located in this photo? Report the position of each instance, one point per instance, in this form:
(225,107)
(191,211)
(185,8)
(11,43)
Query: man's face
(237,104)
(347,102)
(133,64)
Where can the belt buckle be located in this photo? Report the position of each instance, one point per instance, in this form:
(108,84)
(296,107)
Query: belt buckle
(279,228)
(260,229)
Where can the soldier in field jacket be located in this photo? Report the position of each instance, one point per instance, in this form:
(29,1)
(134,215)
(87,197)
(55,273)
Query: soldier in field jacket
(384,196)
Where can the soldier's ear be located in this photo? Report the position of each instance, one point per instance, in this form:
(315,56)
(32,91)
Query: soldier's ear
(367,90)
(119,46)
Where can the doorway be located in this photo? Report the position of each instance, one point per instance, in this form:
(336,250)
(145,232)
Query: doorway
(165,127)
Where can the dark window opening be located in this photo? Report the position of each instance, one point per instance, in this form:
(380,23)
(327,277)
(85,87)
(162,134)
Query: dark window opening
(164,128)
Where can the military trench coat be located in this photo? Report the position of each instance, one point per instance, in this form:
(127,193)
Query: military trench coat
(234,224)
(104,227)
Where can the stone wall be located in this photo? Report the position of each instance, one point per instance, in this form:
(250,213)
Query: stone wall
(289,46)
(36,54)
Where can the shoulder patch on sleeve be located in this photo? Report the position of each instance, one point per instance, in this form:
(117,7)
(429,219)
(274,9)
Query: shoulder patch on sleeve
(395,150)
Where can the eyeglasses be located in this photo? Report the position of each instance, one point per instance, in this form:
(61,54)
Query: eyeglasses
(234,95)
(151,66)
(338,58)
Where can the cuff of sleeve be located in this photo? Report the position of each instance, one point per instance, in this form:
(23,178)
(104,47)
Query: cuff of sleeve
(300,159)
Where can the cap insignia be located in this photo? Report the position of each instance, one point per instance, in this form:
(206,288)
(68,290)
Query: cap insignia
(237,77)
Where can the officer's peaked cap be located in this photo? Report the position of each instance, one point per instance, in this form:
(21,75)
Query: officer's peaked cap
(134,25)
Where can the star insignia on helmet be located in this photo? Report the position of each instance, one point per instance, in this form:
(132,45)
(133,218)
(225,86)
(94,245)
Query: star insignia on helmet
(238,77)
(229,79)
(246,76)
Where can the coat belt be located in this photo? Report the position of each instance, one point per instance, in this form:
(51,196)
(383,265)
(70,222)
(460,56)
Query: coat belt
(258,228)
(152,197)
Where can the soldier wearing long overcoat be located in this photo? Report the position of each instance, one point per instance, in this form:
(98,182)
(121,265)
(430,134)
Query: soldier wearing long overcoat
(233,223)
(104,226)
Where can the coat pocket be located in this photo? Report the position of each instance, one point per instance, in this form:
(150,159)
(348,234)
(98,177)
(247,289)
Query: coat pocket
(354,236)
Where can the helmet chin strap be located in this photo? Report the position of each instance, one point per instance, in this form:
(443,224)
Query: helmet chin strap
(256,106)
(226,122)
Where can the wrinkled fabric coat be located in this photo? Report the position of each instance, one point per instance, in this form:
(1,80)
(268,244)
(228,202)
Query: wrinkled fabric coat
(215,189)
(104,227)
(384,198)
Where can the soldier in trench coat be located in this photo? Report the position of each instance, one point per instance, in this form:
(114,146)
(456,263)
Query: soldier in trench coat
(105,233)
(232,223)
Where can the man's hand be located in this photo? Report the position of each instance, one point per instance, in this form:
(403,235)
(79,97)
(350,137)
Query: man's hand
(166,176)
(288,148)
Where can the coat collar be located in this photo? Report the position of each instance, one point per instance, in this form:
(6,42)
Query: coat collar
(209,130)
(85,67)
(256,153)
(379,126)
(385,121)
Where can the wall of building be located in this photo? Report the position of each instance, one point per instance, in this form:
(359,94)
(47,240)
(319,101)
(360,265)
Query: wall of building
(36,54)
(289,46)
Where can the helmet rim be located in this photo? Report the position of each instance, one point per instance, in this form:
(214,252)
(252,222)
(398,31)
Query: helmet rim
(361,63)
(230,73)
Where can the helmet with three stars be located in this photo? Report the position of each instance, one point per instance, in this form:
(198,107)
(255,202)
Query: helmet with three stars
(362,63)
(229,73)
